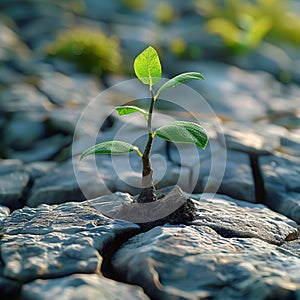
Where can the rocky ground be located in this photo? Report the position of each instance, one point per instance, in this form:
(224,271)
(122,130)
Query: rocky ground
(57,241)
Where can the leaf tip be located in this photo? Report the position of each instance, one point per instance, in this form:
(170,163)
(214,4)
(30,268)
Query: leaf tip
(205,144)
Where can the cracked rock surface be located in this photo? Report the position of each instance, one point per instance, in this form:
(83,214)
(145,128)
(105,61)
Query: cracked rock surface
(81,286)
(46,250)
(232,250)
(281,182)
(54,241)
(61,230)
(195,262)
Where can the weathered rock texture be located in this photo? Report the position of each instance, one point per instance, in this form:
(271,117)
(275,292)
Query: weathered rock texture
(195,262)
(80,286)
(232,251)
(281,183)
(54,241)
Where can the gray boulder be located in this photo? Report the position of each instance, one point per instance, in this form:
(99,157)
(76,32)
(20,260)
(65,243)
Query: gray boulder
(290,144)
(81,286)
(39,168)
(281,184)
(24,129)
(228,173)
(197,263)
(43,149)
(23,97)
(65,90)
(259,139)
(58,240)
(243,255)
(4,211)
(10,165)
(67,182)
(234,218)
(12,186)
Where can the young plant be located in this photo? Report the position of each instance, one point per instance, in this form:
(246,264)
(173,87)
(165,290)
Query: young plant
(148,70)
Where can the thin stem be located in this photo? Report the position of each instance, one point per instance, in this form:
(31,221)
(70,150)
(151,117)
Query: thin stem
(150,112)
(150,133)
(148,190)
(147,170)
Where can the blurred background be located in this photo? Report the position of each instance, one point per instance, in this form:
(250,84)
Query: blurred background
(57,55)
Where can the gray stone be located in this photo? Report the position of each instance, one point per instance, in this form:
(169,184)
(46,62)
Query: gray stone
(9,76)
(195,262)
(221,213)
(23,97)
(234,218)
(43,149)
(26,256)
(63,66)
(260,139)
(81,286)
(293,246)
(39,168)
(285,103)
(4,211)
(73,180)
(289,121)
(10,165)
(23,129)
(11,45)
(39,32)
(65,90)
(58,240)
(64,119)
(281,184)
(233,93)
(270,58)
(102,10)
(237,180)
(12,186)
(290,144)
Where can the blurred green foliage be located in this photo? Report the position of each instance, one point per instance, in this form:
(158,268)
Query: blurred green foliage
(178,46)
(135,5)
(244,24)
(164,13)
(90,49)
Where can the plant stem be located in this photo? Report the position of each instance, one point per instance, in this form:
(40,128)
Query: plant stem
(148,190)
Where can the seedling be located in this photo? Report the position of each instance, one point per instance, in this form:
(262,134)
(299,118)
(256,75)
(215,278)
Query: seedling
(148,70)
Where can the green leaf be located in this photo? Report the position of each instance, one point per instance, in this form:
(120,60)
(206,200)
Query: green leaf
(180,79)
(110,147)
(147,66)
(184,132)
(126,110)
